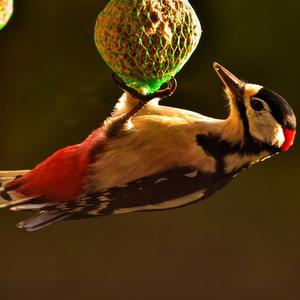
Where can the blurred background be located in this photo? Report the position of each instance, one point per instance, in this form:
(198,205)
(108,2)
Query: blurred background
(54,89)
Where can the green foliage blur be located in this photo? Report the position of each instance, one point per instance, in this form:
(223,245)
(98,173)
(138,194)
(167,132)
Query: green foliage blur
(54,89)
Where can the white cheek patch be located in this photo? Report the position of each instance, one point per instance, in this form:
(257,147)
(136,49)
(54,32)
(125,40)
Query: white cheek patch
(262,124)
(279,134)
(265,128)
(166,204)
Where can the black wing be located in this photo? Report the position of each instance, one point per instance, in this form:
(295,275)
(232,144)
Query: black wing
(170,189)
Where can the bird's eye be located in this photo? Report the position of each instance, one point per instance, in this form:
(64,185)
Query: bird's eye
(257,105)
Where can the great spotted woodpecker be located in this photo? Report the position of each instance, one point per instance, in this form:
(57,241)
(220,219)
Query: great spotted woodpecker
(152,157)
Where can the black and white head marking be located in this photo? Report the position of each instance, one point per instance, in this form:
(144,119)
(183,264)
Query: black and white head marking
(268,115)
(264,114)
(281,110)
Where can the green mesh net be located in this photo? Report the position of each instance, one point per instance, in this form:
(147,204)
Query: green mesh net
(6,10)
(147,42)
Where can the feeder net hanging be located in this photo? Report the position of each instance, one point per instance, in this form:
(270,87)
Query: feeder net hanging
(147,42)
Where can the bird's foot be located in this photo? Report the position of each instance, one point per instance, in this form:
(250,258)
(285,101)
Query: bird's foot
(161,94)
(118,123)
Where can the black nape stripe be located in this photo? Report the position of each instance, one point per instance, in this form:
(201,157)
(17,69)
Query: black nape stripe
(281,110)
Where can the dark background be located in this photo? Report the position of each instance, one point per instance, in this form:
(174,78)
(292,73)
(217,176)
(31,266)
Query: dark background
(54,89)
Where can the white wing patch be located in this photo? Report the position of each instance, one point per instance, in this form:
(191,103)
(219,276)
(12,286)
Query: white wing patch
(165,205)
(161,180)
(122,186)
(103,199)
(192,174)
(97,211)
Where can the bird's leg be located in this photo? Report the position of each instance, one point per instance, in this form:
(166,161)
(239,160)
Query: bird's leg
(165,93)
(119,122)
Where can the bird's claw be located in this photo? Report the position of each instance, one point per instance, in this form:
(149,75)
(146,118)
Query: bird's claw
(165,93)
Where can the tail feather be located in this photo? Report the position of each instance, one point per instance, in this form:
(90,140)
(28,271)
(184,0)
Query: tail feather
(7,202)
(43,219)
(8,197)
(32,206)
(18,202)
(3,181)
(6,176)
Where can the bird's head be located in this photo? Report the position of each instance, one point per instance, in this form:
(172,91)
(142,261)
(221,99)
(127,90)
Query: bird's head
(266,117)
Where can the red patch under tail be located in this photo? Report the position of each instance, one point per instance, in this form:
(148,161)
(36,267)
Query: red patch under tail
(61,176)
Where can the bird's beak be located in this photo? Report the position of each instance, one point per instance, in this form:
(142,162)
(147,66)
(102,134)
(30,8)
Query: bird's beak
(230,81)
